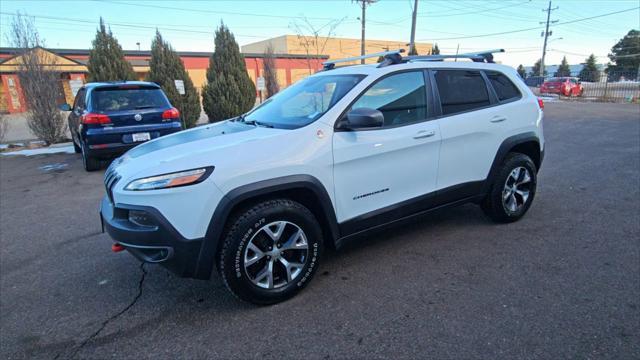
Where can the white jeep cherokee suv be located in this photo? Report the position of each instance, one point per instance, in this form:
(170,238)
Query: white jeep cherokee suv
(333,156)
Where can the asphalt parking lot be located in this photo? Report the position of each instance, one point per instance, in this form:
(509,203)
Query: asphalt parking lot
(564,282)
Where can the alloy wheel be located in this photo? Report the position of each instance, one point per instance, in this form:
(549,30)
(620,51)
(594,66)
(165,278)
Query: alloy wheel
(516,190)
(276,255)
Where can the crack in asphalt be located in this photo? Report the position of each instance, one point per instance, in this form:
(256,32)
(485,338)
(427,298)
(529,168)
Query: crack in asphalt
(113,317)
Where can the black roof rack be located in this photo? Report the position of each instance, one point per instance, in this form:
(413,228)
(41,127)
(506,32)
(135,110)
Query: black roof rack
(395,57)
(480,56)
(328,65)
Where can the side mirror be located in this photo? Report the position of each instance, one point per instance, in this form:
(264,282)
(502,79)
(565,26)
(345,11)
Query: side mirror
(65,107)
(362,118)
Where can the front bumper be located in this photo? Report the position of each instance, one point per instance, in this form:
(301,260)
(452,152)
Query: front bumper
(157,243)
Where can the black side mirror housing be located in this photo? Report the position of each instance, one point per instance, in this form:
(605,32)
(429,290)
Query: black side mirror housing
(65,107)
(362,118)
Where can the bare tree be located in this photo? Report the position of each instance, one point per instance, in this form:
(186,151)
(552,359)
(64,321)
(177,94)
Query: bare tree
(39,80)
(311,39)
(269,70)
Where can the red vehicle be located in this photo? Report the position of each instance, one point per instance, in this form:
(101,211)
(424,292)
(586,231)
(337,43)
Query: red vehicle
(566,86)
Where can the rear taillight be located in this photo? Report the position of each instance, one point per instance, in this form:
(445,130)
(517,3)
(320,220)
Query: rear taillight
(93,118)
(541,103)
(172,113)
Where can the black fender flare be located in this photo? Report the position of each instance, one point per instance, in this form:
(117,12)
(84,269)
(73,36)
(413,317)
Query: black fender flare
(210,245)
(507,145)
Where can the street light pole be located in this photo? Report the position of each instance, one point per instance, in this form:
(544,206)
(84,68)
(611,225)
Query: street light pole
(412,41)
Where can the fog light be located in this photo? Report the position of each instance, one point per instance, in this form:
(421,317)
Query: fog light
(141,218)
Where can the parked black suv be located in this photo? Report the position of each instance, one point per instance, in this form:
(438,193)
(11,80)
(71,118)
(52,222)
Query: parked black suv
(107,119)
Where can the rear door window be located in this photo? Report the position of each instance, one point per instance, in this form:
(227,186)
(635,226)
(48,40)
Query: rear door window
(461,90)
(122,99)
(505,89)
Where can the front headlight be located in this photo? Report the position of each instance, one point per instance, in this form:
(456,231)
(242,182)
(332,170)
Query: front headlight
(182,178)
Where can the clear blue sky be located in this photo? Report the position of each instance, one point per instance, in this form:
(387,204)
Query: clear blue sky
(189,25)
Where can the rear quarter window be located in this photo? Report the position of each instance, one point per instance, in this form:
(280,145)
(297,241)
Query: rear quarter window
(122,99)
(505,89)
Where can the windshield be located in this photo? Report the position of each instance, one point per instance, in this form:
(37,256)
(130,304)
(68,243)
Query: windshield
(557,79)
(303,102)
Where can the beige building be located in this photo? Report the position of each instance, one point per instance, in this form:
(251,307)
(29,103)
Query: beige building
(335,48)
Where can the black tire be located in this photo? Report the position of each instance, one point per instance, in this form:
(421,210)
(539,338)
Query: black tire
(76,147)
(90,163)
(503,211)
(248,227)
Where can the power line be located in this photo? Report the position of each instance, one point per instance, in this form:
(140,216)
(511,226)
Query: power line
(214,11)
(533,28)
(129,25)
(475,12)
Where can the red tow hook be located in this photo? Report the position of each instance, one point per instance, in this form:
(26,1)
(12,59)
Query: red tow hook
(117,247)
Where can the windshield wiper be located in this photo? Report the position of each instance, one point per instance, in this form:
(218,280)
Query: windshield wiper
(257,123)
(144,107)
(242,118)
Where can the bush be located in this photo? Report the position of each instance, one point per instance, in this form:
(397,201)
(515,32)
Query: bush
(165,67)
(229,91)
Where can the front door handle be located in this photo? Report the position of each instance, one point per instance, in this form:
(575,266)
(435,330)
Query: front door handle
(497,119)
(423,134)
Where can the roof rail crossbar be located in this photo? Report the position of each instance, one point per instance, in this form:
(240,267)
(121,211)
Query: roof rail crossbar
(328,65)
(480,56)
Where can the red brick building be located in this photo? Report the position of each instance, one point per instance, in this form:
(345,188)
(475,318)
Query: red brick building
(72,66)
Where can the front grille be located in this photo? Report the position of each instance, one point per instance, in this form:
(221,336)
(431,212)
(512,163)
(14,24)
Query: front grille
(111,177)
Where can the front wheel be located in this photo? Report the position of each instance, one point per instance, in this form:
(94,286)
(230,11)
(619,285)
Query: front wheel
(513,189)
(270,251)
(76,147)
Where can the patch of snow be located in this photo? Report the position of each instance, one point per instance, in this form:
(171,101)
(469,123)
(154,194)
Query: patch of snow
(54,167)
(40,151)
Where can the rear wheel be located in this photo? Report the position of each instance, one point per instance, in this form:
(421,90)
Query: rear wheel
(76,148)
(513,189)
(270,251)
(90,163)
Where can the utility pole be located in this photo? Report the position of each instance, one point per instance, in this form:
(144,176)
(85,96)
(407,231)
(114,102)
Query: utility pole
(363,4)
(546,35)
(412,41)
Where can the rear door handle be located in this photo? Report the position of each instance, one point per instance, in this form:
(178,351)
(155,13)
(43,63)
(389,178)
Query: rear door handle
(497,119)
(423,134)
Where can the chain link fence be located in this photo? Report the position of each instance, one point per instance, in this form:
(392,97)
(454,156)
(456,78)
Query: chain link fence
(613,86)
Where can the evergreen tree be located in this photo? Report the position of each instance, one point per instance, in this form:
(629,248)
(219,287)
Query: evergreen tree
(624,55)
(269,72)
(535,70)
(590,70)
(165,67)
(106,59)
(435,50)
(522,71)
(563,69)
(229,91)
